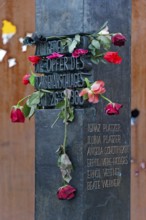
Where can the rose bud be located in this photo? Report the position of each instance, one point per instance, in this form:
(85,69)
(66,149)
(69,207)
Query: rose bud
(66,192)
(34,59)
(17,115)
(113,108)
(118,39)
(25,79)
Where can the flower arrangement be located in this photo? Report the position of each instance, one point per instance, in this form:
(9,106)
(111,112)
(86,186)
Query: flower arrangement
(98,50)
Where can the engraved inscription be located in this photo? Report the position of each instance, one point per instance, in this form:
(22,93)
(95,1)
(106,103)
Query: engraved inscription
(57,81)
(51,99)
(105,156)
(60,73)
(62,64)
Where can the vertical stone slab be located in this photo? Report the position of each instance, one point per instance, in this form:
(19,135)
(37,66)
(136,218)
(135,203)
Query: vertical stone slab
(98,144)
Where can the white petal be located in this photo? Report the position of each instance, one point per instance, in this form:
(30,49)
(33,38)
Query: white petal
(11,62)
(24,48)
(2,54)
(6,37)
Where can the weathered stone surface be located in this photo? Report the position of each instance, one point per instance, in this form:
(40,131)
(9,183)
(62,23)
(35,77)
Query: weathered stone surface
(99,150)
(98,144)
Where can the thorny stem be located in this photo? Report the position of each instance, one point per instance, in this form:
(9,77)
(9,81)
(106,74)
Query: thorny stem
(106,98)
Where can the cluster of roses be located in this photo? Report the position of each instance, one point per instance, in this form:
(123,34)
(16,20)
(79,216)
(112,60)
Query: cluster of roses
(91,93)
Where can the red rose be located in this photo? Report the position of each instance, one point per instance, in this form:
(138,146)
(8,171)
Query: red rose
(112,57)
(118,39)
(79,52)
(66,192)
(17,115)
(25,79)
(113,108)
(34,59)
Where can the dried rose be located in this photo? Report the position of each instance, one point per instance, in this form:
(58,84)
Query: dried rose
(66,192)
(78,52)
(113,108)
(92,94)
(34,59)
(54,56)
(118,39)
(17,115)
(25,79)
(112,57)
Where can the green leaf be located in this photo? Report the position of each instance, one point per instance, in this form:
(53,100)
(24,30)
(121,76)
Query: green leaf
(105,41)
(93,52)
(63,42)
(69,41)
(96,44)
(62,114)
(34,99)
(87,83)
(32,110)
(91,47)
(103,61)
(70,114)
(60,104)
(32,79)
(77,38)
(26,110)
(72,46)
(85,97)
(95,60)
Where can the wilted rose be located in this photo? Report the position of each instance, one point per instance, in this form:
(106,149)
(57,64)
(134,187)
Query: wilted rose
(92,94)
(118,39)
(98,87)
(34,59)
(78,52)
(25,79)
(66,192)
(54,56)
(112,57)
(17,115)
(113,108)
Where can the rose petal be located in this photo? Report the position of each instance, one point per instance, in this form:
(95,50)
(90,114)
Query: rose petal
(17,115)
(98,87)
(84,92)
(54,56)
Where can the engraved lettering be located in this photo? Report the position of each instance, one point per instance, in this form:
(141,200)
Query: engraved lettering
(110,183)
(92,174)
(111,127)
(113,139)
(93,127)
(94,139)
(91,185)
